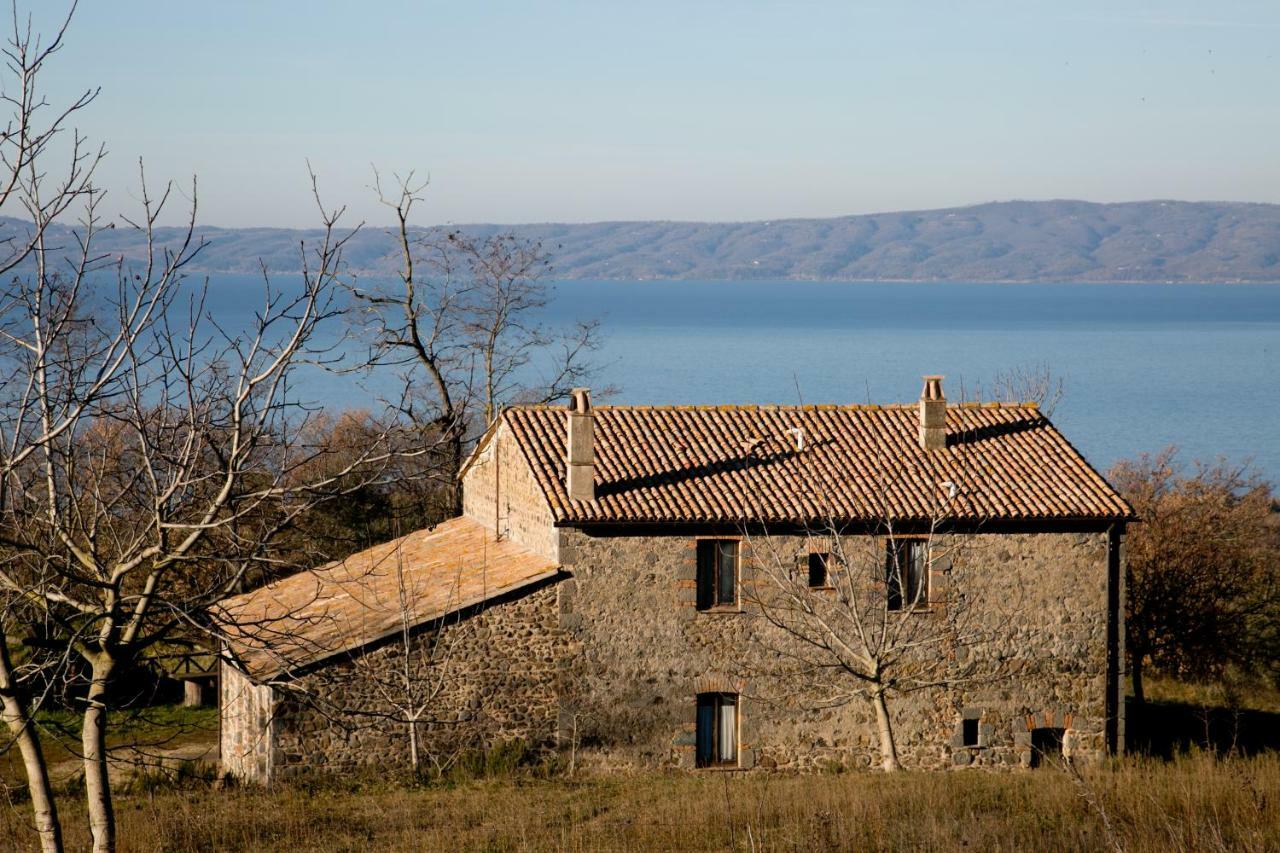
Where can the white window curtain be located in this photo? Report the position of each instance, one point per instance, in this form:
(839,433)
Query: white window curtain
(728,730)
(919,570)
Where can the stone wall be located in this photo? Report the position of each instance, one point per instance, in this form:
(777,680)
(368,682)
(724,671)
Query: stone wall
(488,678)
(500,492)
(646,652)
(244,714)
(612,658)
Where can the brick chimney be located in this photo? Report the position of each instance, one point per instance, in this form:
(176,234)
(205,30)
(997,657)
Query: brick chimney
(581,461)
(933,415)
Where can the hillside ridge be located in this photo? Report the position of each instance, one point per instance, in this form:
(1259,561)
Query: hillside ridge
(1024,241)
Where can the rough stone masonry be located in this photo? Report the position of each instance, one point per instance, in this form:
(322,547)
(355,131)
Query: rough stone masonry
(609,657)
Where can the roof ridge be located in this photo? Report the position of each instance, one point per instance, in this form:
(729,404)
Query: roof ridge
(774,407)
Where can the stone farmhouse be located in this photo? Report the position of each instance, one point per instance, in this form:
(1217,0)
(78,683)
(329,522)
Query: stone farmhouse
(596,595)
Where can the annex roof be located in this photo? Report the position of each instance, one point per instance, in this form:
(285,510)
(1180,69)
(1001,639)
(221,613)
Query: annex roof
(805,464)
(314,615)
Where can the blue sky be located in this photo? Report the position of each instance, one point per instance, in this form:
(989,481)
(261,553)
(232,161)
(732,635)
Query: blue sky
(600,110)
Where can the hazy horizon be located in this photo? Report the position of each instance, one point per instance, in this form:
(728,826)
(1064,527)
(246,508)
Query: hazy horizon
(709,112)
(71,217)
(739,221)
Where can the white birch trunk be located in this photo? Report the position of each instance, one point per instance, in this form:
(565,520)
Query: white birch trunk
(884,728)
(413,744)
(97,785)
(18,718)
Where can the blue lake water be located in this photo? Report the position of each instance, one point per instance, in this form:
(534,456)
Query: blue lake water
(1144,366)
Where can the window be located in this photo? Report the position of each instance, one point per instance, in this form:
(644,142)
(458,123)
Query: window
(818,570)
(717,573)
(907,573)
(969,731)
(717,730)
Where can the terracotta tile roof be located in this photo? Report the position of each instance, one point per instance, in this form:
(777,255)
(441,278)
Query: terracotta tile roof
(740,463)
(310,616)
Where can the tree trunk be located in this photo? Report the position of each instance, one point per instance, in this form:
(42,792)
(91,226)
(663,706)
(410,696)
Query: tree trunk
(1135,669)
(413,745)
(454,466)
(490,410)
(884,728)
(97,786)
(17,717)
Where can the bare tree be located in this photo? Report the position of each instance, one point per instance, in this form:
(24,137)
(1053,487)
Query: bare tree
(415,330)
(505,293)
(1031,383)
(464,317)
(32,184)
(875,610)
(149,455)
(413,690)
(411,682)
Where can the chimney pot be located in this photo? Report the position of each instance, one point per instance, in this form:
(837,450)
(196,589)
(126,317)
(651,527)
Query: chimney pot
(580,462)
(933,414)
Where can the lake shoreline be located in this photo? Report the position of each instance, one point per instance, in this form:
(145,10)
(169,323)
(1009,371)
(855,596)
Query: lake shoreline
(782,281)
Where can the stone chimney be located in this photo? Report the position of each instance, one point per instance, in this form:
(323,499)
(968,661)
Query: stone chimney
(581,461)
(933,415)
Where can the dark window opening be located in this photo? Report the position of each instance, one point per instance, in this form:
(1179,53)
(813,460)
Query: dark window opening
(818,570)
(969,728)
(717,735)
(1046,746)
(906,566)
(717,573)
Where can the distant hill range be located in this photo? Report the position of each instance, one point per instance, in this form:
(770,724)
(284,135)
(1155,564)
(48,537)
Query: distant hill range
(1031,241)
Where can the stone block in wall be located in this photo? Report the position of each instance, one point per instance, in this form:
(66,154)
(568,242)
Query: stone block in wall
(566,591)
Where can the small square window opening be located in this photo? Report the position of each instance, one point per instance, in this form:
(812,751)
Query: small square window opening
(818,570)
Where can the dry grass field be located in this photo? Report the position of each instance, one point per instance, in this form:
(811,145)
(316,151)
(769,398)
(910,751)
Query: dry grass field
(1195,802)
